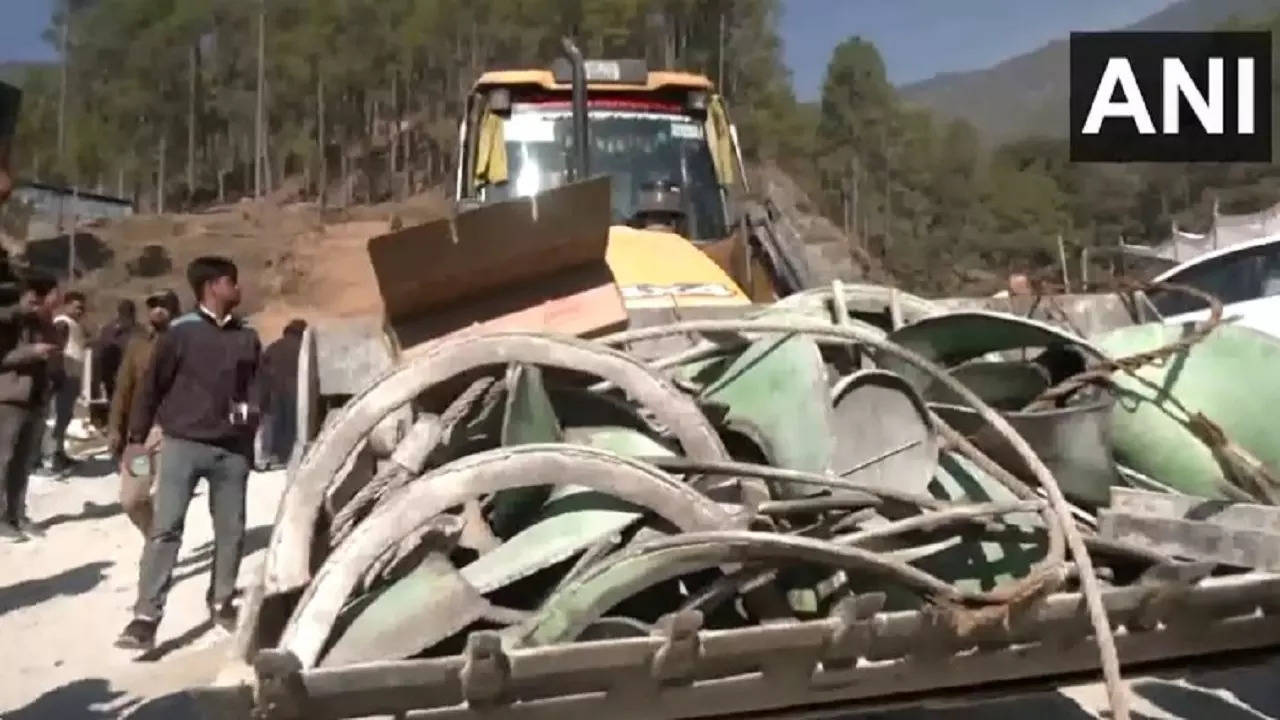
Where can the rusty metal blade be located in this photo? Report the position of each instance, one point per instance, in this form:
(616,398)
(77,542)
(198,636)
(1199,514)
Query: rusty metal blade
(491,247)
(401,621)
(544,544)
(875,410)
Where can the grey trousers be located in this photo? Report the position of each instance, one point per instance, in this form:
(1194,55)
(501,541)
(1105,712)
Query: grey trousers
(182,464)
(20,432)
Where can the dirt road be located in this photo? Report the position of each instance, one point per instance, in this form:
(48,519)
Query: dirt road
(64,597)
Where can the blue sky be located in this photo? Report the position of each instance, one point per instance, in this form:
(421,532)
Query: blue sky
(918,38)
(20,32)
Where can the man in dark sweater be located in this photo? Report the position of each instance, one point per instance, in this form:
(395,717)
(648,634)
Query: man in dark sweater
(200,388)
(280,393)
(28,352)
(109,349)
(10,101)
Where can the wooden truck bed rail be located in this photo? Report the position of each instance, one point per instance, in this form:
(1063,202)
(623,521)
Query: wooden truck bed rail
(858,656)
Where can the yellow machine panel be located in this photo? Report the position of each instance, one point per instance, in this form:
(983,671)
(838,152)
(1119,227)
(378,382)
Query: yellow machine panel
(661,269)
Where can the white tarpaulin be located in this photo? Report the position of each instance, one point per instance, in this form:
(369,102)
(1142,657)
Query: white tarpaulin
(1227,231)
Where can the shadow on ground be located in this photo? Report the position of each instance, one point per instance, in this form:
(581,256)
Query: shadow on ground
(89,511)
(76,581)
(176,643)
(89,699)
(255,539)
(94,468)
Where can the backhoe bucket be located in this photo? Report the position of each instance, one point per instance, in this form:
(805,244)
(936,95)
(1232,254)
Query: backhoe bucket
(535,263)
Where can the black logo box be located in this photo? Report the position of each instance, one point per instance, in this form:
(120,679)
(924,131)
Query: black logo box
(1119,139)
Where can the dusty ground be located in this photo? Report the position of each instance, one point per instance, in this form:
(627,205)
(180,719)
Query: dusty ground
(63,599)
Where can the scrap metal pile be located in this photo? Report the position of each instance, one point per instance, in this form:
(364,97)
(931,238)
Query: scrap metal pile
(849,494)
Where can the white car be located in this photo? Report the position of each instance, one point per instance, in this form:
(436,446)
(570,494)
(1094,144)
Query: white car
(1245,277)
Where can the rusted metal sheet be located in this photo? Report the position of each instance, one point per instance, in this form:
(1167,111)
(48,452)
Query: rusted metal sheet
(1194,540)
(954,338)
(528,417)
(775,393)
(877,305)
(1242,516)
(1004,385)
(1228,377)
(1237,534)
(877,412)
(1074,442)
(1080,314)
(499,245)
(349,353)
(421,609)
(488,472)
(288,558)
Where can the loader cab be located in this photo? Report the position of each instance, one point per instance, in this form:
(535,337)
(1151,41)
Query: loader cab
(664,138)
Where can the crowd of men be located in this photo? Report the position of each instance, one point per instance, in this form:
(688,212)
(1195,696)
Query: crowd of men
(188,393)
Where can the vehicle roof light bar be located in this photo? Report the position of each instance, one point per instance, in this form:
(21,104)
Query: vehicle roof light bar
(622,72)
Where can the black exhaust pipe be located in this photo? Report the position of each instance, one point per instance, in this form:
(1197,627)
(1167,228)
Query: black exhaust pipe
(581,164)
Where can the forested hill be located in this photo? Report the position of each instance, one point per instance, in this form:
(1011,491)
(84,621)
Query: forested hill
(171,87)
(164,98)
(1027,94)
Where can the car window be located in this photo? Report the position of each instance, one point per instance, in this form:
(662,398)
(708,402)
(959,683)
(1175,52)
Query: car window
(1245,275)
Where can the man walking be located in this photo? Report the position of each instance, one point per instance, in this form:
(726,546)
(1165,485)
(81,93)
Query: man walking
(136,482)
(199,388)
(74,341)
(108,352)
(27,355)
(280,393)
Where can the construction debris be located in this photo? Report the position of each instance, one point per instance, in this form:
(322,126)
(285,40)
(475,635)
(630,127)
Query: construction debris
(819,502)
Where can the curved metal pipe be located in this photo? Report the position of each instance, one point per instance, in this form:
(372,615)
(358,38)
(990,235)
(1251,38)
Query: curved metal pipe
(487,472)
(288,559)
(581,135)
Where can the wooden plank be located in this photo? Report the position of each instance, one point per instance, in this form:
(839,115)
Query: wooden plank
(1194,540)
(1240,516)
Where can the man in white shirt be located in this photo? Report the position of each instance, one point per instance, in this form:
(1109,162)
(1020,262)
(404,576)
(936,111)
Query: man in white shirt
(74,340)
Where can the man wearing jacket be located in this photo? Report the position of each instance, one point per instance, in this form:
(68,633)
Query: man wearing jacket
(280,393)
(109,349)
(28,352)
(135,487)
(10,101)
(199,388)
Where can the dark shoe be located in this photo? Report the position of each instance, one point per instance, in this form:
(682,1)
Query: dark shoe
(225,616)
(61,463)
(11,534)
(139,634)
(29,528)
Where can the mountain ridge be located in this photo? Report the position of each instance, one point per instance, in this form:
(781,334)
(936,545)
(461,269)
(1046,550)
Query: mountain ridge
(1027,94)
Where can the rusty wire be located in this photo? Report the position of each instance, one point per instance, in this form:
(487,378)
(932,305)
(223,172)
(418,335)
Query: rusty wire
(366,498)
(1244,473)
(1058,511)
(1100,372)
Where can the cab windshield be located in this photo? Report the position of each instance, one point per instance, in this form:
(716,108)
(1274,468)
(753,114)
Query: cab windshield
(636,148)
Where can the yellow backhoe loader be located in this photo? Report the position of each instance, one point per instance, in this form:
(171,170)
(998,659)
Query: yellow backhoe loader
(590,196)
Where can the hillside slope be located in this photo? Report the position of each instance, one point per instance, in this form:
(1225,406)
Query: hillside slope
(293,262)
(296,263)
(1027,94)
